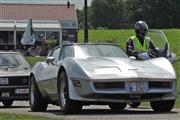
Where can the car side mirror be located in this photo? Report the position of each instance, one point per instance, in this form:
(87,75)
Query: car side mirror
(50,59)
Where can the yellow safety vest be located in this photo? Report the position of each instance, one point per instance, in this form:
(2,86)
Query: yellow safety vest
(137,44)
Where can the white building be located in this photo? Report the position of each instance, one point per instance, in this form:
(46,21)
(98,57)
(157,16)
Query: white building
(53,21)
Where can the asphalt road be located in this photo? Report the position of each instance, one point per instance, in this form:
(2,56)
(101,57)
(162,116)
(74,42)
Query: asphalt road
(95,113)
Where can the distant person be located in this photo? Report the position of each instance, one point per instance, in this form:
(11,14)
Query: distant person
(138,45)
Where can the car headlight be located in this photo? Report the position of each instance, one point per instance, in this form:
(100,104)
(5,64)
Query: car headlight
(108,70)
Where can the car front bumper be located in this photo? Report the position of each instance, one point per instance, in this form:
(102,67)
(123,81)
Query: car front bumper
(14,93)
(118,90)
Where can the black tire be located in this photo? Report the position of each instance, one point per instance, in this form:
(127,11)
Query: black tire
(117,106)
(163,105)
(134,104)
(67,105)
(36,101)
(7,103)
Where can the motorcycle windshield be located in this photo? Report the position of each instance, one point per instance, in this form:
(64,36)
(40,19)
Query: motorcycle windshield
(158,38)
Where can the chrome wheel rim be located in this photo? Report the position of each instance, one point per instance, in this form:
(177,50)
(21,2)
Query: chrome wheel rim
(63,93)
(32,93)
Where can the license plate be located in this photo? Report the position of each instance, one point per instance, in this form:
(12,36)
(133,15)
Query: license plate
(4,81)
(5,94)
(21,91)
(137,87)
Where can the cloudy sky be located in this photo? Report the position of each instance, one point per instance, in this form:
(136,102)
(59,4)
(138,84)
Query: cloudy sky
(78,3)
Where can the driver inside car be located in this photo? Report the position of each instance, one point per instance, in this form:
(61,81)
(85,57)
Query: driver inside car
(139,45)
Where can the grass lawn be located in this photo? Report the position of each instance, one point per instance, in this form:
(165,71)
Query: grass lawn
(34,60)
(173,35)
(7,116)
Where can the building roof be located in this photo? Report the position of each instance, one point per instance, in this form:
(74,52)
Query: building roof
(37,25)
(9,11)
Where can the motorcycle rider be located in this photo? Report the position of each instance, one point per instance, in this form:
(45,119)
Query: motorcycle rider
(138,45)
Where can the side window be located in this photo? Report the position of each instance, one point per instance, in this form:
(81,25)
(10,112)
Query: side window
(67,52)
(56,53)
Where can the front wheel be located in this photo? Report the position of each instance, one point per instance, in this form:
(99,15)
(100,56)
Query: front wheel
(36,101)
(67,105)
(7,103)
(117,106)
(162,105)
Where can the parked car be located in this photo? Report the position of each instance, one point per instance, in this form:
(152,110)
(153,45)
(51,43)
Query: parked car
(14,77)
(82,74)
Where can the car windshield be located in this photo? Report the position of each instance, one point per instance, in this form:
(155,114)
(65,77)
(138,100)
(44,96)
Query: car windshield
(11,60)
(84,51)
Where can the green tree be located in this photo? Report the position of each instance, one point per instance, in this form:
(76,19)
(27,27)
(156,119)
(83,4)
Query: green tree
(80,16)
(108,13)
(157,13)
(115,14)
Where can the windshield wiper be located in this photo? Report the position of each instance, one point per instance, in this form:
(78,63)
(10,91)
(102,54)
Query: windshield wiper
(3,67)
(6,67)
(9,67)
(12,66)
(26,68)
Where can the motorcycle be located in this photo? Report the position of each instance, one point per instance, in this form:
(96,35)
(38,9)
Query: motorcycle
(158,47)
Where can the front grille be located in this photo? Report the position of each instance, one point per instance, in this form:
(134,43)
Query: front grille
(17,81)
(165,85)
(12,95)
(109,85)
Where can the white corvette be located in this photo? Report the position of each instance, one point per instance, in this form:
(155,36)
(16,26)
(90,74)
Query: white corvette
(82,74)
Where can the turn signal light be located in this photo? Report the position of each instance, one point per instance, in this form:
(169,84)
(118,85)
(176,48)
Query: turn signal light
(76,83)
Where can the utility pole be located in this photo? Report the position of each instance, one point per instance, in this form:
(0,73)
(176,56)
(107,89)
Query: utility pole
(15,36)
(86,22)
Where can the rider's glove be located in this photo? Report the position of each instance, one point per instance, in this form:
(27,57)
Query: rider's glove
(152,53)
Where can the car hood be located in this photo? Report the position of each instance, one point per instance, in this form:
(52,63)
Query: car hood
(14,72)
(154,68)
